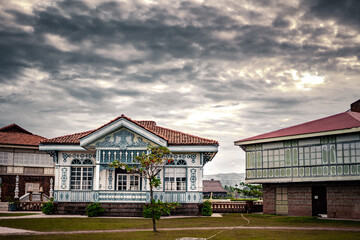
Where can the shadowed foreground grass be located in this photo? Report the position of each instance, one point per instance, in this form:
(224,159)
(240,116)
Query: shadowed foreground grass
(73,224)
(228,234)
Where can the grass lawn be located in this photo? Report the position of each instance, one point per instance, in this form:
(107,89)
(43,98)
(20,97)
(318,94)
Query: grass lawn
(73,224)
(228,234)
(16,214)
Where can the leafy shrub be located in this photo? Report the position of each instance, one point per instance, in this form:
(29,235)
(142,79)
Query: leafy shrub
(206,209)
(157,209)
(48,207)
(94,210)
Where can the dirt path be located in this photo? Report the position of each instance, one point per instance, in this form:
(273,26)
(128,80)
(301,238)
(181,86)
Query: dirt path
(13,231)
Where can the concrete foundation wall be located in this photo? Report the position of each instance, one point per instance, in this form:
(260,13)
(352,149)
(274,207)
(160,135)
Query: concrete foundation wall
(123,209)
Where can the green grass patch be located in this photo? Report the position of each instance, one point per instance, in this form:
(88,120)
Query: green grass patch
(16,214)
(228,220)
(289,221)
(228,234)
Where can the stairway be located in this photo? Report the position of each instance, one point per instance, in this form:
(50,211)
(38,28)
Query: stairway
(4,206)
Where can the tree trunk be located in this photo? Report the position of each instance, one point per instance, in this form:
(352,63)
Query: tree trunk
(151,206)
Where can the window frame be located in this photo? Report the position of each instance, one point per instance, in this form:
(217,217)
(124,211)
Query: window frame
(128,181)
(84,170)
(179,180)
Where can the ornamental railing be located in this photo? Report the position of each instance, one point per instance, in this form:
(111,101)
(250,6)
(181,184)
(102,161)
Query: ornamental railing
(126,196)
(29,206)
(237,207)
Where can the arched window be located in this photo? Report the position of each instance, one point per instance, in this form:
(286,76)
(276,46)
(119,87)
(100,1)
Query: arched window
(81,175)
(76,162)
(87,162)
(181,162)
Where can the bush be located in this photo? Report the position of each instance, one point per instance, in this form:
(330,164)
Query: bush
(94,210)
(157,209)
(48,207)
(206,209)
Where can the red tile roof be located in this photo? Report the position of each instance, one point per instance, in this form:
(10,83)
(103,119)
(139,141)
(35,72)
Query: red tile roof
(15,135)
(212,186)
(345,120)
(171,136)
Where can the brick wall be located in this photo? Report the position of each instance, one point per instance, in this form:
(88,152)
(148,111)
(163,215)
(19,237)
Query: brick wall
(299,199)
(9,181)
(343,198)
(269,198)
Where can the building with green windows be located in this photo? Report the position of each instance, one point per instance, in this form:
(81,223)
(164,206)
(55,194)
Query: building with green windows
(309,169)
(83,175)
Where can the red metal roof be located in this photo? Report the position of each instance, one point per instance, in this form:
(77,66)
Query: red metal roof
(173,137)
(15,135)
(345,120)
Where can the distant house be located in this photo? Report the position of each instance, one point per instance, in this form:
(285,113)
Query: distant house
(309,169)
(83,175)
(214,187)
(20,156)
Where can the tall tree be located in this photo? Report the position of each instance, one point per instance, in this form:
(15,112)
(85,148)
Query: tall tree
(150,165)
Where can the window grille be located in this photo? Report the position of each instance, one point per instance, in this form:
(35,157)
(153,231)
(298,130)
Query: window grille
(175,179)
(81,176)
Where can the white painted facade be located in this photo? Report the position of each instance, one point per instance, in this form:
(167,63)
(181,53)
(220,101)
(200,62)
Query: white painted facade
(82,172)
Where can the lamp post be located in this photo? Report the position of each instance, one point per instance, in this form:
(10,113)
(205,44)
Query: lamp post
(236,196)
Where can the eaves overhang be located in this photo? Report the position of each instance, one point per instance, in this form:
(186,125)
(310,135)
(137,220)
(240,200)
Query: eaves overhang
(61,148)
(302,179)
(18,146)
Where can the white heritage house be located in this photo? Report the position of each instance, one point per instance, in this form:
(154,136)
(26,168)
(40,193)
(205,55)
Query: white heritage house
(82,174)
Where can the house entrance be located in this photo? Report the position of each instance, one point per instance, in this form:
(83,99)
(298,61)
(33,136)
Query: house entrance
(319,205)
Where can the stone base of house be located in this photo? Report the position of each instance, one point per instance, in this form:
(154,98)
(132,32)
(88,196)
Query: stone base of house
(9,184)
(342,198)
(123,209)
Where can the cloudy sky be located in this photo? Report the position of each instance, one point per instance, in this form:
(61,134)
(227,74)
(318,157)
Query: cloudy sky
(221,69)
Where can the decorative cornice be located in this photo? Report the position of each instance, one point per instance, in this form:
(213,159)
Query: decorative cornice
(118,124)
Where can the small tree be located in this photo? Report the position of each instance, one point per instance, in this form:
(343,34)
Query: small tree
(150,165)
(252,191)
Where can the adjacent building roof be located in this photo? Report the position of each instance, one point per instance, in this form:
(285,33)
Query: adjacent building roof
(346,120)
(15,135)
(212,186)
(173,137)
(339,123)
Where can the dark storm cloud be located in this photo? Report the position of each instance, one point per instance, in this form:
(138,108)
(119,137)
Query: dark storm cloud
(81,23)
(234,68)
(345,12)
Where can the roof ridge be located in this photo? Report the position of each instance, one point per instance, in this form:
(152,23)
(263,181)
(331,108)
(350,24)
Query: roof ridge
(131,120)
(3,129)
